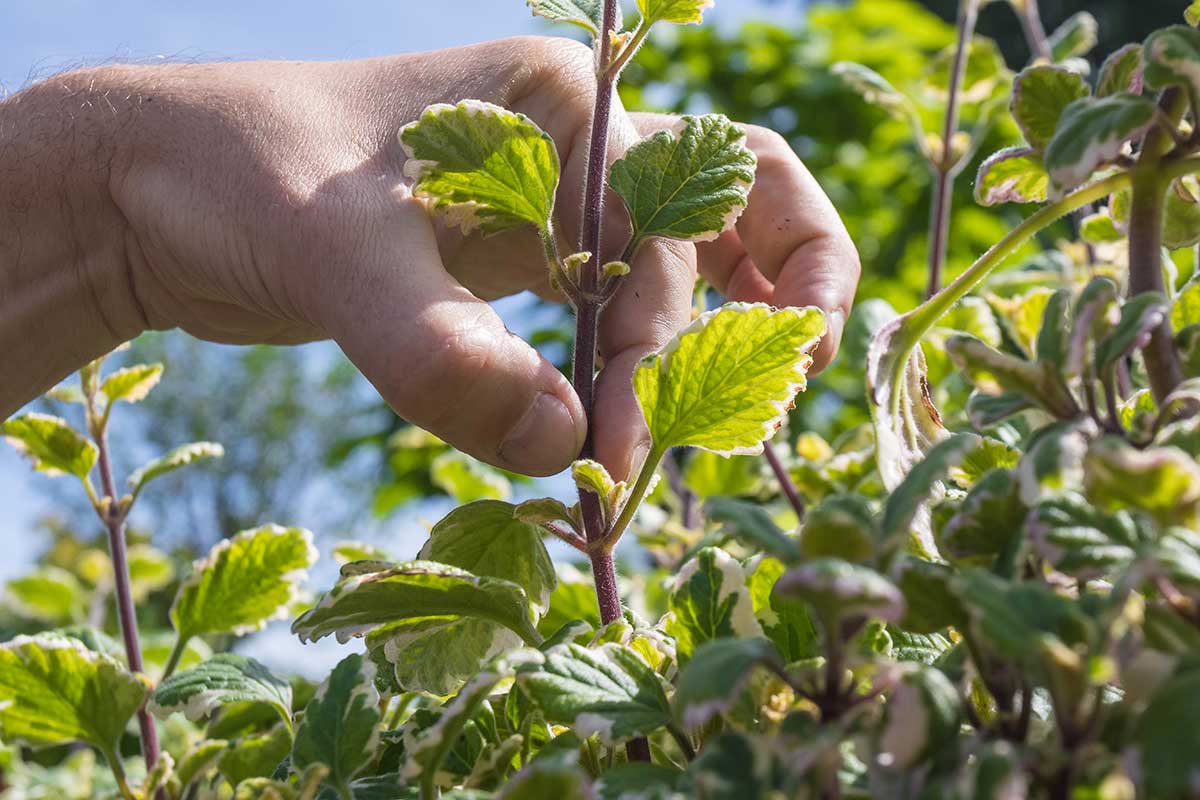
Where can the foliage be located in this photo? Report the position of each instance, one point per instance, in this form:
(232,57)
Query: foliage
(989,589)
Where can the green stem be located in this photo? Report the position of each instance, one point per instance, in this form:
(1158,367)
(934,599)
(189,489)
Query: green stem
(685,744)
(428,787)
(636,495)
(177,652)
(925,316)
(118,771)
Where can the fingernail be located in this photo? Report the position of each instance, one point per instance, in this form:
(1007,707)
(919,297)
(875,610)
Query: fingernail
(544,440)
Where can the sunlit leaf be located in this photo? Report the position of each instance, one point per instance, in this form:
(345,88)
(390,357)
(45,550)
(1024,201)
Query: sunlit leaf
(340,724)
(725,382)
(587,14)
(1173,58)
(244,582)
(254,758)
(51,444)
(837,589)
(48,594)
(709,600)
(609,691)
(1161,481)
(921,719)
(467,479)
(716,676)
(223,679)
(1012,175)
(131,384)
(1075,37)
(484,167)
(179,457)
(1091,133)
(1121,72)
(678,11)
(689,184)
(1040,95)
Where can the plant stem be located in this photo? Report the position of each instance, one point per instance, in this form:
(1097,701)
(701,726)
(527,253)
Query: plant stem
(1035,32)
(948,166)
(785,480)
(114,521)
(685,744)
(632,501)
(177,651)
(118,771)
(1146,208)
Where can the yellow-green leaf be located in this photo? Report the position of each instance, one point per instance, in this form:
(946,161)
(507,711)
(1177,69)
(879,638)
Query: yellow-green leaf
(51,444)
(132,384)
(678,11)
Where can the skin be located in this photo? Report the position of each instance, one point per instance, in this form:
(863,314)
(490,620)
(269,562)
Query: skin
(264,202)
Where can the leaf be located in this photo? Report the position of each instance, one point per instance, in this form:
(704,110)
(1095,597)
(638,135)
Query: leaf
(1012,175)
(840,526)
(708,601)
(716,676)
(340,724)
(639,781)
(199,760)
(1091,133)
(484,167)
(466,479)
(785,621)
(48,594)
(609,691)
(751,523)
(427,748)
(726,381)
(999,373)
(51,444)
(256,756)
(53,690)
(1173,58)
(1075,37)
(709,475)
(921,719)
(348,551)
(558,777)
(1121,72)
(223,679)
(1040,95)
(1080,540)
(244,582)
(689,184)
(179,457)
(1191,14)
(875,89)
(907,506)
(837,589)
(485,538)
(437,653)
(1099,228)
(1053,461)
(131,384)
(987,522)
(587,14)
(930,603)
(1166,738)
(1163,482)
(412,591)
(1140,316)
(678,11)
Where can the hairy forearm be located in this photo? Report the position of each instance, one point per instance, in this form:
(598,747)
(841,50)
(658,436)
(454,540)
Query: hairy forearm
(64,289)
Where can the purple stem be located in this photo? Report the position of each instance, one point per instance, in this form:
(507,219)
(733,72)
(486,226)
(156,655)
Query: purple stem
(114,521)
(785,480)
(948,167)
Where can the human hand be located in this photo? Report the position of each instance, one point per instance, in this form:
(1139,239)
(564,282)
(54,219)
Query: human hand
(265,202)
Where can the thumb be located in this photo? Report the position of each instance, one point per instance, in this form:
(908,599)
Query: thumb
(444,360)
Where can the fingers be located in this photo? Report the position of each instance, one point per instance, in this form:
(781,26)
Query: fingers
(443,359)
(790,235)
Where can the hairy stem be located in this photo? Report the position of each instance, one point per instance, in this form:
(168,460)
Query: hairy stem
(118,771)
(177,651)
(113,518)
(1035,32)
(632,501)
(949,165)
(784,479)
(1146,208)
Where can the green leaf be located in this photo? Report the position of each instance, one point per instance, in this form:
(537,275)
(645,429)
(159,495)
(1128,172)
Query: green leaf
(875,89)
(199,760)
(1091,133)
(1121,72)
(484,538)
(1173,58)
(437,653)
(1053,461)
(921,719)
(751,523)
(678,11)
(1099,228)
(709,600)
(609,691)
(484,167)
(1163,482)
(1140,316)
(340,724)
(1053,338)
(930,603)
(179,457)
(1012,175)
(717,674)
(785,621)
(49,594)
(639,781)
(999,373)
(412,591)
(225,678)
(1040,95)
(587,14)
(51,444)
(689,184)
(840,526)
(425,749)
(837,589)
(244,582)
(256,756)
(348,551)
(908,501)
(726,381)
(558,777)
(467,479)
(1081,541)
(53,690)
(987,522)
(709,475)
(1075,37)
(1166,738)
(131,384)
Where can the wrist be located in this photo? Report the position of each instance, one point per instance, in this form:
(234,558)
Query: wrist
(64,277)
